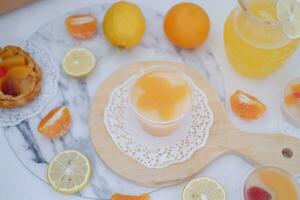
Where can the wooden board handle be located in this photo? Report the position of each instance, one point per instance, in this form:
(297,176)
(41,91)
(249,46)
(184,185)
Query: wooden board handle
(269,150)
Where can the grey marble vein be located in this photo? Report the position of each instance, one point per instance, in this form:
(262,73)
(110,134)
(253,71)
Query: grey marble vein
(77,94)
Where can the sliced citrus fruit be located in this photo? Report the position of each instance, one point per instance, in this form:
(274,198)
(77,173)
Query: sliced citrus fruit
(203,188)
(69,172)
(288,13)
(81,26)
(246,106)
(56,123)
(118,196)
(79,62)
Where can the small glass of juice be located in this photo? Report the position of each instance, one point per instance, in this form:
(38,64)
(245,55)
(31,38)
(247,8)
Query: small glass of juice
(291,103)
(270,183)
(161,97)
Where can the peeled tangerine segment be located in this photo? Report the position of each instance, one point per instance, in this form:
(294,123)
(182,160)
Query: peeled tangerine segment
(159,94)
(280,184)
(81,26)
(118,196)
(245,106)
(13,61)
(56,123)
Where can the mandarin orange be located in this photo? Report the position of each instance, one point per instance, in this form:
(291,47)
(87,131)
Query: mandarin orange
(186,25)
(56,123)
(245,106)
(81,26)
(118,196)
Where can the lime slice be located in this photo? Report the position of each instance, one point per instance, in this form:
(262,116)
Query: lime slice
(203,188)
(288,13)
(79,62)
(69,172)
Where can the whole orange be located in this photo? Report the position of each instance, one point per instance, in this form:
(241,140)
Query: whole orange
(186,25)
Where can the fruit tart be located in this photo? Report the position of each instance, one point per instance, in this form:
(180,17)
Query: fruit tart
(20,77)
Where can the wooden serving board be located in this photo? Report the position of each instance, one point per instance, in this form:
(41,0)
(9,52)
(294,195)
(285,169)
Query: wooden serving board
(263,149)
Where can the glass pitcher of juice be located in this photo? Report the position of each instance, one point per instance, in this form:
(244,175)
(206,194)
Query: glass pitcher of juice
(255,41)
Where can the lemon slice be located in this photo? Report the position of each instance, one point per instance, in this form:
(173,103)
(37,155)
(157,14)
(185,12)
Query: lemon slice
(79,62)
(69,172)
(288,13)
(203,188)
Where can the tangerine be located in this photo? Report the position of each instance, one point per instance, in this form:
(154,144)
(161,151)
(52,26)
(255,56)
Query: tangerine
(81,26)
(245,106)
(56,123)
(130,197)
(186,25)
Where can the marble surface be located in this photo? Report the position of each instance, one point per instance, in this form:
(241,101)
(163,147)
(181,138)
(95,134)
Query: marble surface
(26,151)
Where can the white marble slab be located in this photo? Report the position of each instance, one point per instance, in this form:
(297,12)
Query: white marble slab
(34,151)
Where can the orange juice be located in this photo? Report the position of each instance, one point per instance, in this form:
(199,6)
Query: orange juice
(255,42)
(270,183)
(161,97)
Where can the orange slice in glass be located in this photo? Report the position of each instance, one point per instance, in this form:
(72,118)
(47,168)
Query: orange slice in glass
(82,26)
(160,95)
(56,123)
(245,106)
(130,197)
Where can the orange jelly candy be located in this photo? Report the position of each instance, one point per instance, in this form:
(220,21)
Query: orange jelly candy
(246,106)
(82,26)
(130,197)
(159,94)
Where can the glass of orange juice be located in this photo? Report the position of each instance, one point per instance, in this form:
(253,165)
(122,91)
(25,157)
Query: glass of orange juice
(271,183)
(161,97)
(255,40)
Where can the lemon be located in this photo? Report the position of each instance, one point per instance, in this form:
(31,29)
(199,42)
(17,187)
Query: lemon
(124,24)
(288,13)
(79,62)
(69,172)
(203,188)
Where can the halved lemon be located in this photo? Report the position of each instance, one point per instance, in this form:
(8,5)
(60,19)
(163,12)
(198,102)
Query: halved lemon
(203,188)
(69,172)
(79,62)
(288,13)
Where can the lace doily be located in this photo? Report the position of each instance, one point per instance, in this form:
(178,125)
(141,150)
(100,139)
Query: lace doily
(10,117)
(157,152)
